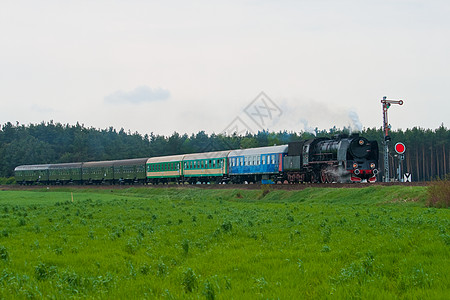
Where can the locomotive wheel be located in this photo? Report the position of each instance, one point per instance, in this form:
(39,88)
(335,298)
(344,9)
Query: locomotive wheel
(323,176)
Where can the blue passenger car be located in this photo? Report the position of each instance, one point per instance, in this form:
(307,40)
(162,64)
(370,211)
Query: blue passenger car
(256,164)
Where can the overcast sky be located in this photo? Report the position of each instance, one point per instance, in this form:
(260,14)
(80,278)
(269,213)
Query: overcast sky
(186,66)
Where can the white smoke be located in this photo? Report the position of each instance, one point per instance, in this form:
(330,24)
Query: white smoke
(309,115)
(338,174)
(307,128)
(355,124)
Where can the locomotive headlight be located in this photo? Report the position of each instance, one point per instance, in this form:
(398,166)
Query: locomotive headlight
(355,165)
(372,165)
(361,142)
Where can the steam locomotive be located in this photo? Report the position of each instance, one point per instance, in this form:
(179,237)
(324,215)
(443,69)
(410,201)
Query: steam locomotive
(339,159)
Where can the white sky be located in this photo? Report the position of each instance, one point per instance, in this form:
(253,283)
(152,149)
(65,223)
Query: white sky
(186,66)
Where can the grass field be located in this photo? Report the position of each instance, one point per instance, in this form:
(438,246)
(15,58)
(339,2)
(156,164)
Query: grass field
(374,242)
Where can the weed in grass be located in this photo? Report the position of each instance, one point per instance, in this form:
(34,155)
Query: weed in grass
(4,255)
(162,269)
(446,238)
(209,291)
(326,234)
(325,248)
(367,263)
(144,269)
(227,283)
(132,271)
(58,250)
(420,278)
(185,246)
(301,266)
(22,222)
(189,281)
(260,284)
(35,245)
(131,246)
(253,235)
(43,271)
(227,226)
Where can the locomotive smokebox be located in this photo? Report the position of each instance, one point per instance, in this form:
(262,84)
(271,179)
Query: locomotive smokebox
(360,147)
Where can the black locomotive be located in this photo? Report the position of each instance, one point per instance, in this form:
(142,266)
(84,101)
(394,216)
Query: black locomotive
(340,159)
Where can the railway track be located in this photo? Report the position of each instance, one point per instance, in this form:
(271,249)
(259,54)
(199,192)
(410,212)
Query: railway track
(300,186)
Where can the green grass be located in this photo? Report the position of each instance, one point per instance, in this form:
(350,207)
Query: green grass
(374,242)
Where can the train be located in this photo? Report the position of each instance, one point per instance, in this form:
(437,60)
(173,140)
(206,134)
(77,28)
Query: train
(342,158)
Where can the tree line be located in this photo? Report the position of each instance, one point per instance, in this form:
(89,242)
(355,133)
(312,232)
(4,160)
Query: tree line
(427,155)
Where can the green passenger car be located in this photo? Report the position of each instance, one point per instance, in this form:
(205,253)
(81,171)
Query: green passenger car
(65,173)
(165,169)
(98,172)
(130,170)
(206,167)
(29,174)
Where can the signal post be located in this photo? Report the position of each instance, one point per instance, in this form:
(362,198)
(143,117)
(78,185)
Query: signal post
(386,127)
(400,149)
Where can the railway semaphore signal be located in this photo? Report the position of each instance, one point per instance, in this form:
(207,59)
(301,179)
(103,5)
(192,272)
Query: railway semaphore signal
(386,127)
